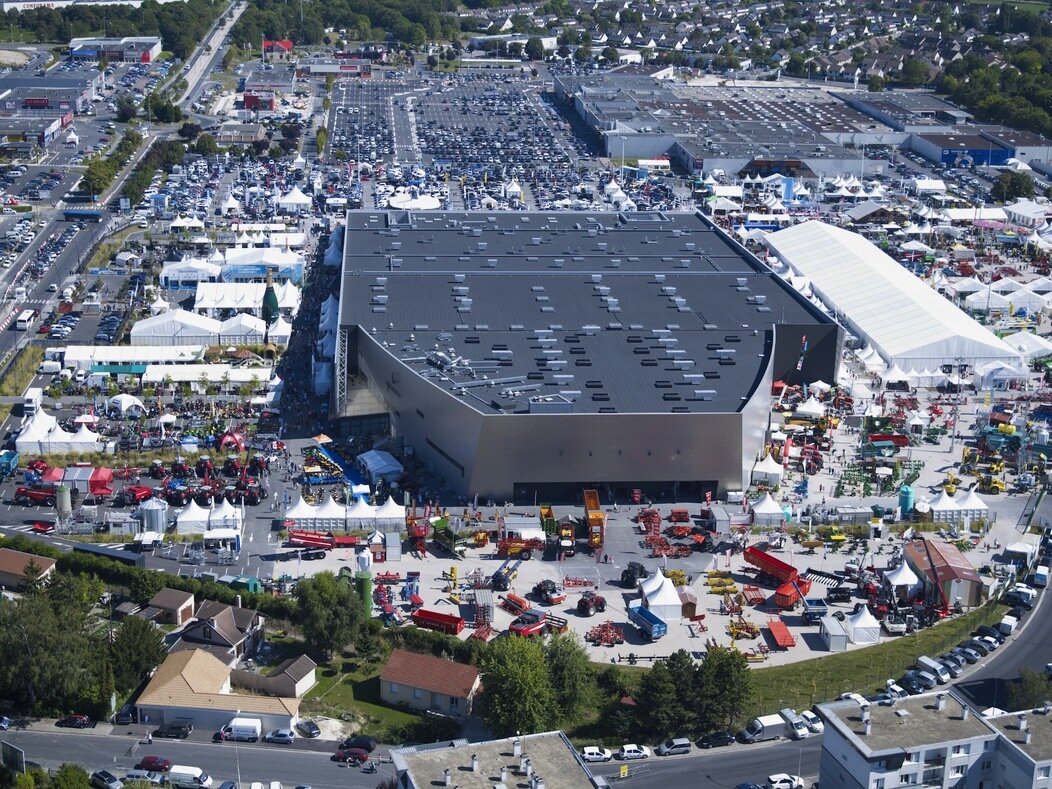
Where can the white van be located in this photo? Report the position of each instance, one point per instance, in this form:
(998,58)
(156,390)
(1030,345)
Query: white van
(182,777)
(49,367)
(1041,576)
(795,727)
(935,668)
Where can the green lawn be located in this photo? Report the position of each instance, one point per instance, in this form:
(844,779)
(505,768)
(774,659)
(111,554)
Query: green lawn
(799,685)
(353,688)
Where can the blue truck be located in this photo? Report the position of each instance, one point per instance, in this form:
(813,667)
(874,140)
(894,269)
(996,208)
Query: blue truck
(814,609)
(649,624)
(8,463)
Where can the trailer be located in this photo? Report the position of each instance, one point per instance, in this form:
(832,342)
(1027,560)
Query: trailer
(514,604)
(792,587)
(518,547)
(8,463)
(648,623)
(595,518)
(679,516)
(548,522)
(606,635)
(455,545)
(780,633)
(450,624)
(753,595)
(320,539)
(814,609)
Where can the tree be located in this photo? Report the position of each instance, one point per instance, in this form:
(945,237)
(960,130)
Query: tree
(534,49)
(518,692)
(137,648)
(571,675)
(1032,689)
(914,72)
(1012,185)
(657,710)
(875,84)
(206,145)
(725,686)
(582,54)
(70,776)
(330,615)
(432,62)
(32,578)
(610,55)
(126,109)
(189,130)
(144,585)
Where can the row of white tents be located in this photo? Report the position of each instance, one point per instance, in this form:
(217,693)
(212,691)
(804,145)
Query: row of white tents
(330,515)
(42,435)
(195,519)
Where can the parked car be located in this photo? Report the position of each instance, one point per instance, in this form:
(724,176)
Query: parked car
(1016,599)
(992,632)
(5,723)
(911,686)
(351,756)
(969,655)
(784,781)
(951,666)
(674,745)
(717,739)
(308,729)
(813,722)
(593,753)
(74,722)
(367,744)
(282,736)
(633,751)
(155,764)
(977,645)
(950,657)
(104,779)
(991,643)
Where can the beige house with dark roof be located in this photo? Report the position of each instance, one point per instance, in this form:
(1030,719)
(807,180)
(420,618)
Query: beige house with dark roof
(175,606)
(425,682)
(13,567)
(195,684)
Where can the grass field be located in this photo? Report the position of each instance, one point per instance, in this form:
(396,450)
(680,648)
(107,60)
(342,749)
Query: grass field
(348,688)
(799,685)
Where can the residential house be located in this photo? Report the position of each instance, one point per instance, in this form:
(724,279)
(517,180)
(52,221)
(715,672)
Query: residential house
(228,632)
(174,606)
(195,684)
(292,678)
(425,682)
(13,565)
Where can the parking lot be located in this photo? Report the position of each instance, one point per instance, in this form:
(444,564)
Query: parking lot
(360,119)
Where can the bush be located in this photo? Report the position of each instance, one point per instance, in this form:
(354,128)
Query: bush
(21,371)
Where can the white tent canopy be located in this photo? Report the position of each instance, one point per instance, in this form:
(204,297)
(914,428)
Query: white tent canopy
(1032,346)
(192,519)
(903,318)
(862,627)
(379,464)
(390,510)
(126,402)
(811,409)
(661,597)
(901,576)
(360,514)
(944,507)
(768,470)
(767,511)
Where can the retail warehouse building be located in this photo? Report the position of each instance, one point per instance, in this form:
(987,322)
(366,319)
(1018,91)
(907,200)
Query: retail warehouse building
(527,356)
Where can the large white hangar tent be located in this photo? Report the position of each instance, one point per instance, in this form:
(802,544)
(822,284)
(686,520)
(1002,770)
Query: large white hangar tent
(908,323)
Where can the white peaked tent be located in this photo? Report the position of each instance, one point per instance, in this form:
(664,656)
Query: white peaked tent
(973,507)
(294,200)
(661,597)
(85,439)
(390,511)
(862,627)
(225,516)
(811,409)
(126,402)
(302,513)
(945,508)
(360,514)
(280,331)
(158,305)
(820,386)
(896,375)
(768,470)
(901,577)
(192,519)
(231,205)
(331,514)
(767,511)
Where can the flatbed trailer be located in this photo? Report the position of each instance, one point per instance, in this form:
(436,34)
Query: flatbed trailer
(436,620)
(780,633)
(753,595)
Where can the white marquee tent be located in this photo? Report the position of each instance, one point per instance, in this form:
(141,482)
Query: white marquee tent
(908,322)
(768,470)
(945,508)
(862,627)
(660,596)
(767,511)
(192,519)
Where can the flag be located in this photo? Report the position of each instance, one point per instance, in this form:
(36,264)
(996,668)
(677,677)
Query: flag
(708,497)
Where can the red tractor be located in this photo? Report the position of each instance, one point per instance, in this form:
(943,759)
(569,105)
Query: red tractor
(157,470)
(131,495)
(589,603)
(178,496)
(530,623)
(208,493)
(549,593)
(180,468)
(232,466)
(204,467)
(257,465)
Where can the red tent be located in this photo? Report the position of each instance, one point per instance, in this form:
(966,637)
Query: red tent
(234,441)
(99,484)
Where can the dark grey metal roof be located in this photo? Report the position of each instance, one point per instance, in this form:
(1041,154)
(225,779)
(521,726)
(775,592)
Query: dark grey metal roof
(633,313)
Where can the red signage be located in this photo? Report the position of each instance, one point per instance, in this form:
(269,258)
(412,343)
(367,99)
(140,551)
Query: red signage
(36,102)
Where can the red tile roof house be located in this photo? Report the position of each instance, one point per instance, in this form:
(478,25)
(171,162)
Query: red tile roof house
(425,682)
(281,47)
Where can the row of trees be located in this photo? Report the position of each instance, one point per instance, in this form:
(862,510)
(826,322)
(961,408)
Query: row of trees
(101,170)
(181,26)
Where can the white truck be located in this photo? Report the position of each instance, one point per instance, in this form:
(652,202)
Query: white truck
(766,727)
(32,400)
(183,777)
(243,729)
